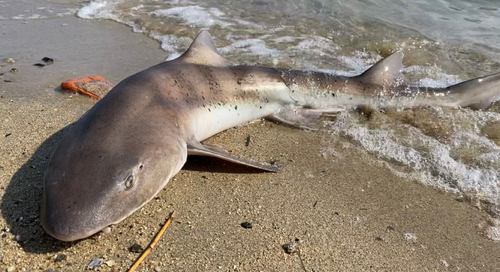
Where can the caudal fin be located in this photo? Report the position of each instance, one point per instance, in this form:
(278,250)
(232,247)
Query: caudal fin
(478,93)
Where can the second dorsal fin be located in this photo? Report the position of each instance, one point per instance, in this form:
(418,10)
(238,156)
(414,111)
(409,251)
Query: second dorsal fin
(384,72)
(202,51)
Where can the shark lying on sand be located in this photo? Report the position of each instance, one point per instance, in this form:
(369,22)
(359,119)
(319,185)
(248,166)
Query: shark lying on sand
(126,148)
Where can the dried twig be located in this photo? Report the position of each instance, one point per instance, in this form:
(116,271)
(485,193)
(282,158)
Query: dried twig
(152,244)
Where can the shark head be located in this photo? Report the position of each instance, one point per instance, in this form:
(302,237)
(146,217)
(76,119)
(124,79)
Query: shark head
(124,150)
(108,164)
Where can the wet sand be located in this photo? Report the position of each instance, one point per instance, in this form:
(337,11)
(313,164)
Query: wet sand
(344,209)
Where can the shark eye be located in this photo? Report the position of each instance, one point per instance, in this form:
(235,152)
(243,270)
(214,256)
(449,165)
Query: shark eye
(129,182)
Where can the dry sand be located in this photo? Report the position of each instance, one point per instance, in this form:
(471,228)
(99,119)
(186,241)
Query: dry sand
(345,209)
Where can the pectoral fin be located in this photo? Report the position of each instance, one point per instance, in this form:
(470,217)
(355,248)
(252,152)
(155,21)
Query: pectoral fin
(196,148)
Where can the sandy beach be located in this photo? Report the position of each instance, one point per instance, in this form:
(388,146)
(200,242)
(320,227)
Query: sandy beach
(343,208)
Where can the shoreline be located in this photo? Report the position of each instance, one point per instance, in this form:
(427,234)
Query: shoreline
(348,211)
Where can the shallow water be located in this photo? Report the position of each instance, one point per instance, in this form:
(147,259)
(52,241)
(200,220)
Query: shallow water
(444,42)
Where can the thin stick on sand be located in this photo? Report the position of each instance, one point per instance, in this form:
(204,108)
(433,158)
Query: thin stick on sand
(152,244)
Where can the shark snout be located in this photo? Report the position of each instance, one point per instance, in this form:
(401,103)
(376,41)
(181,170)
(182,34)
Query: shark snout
(71,230)
(69,224)
(66,233)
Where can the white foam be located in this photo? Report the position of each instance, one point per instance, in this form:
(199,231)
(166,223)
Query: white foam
(167,42)
(254,46)
(106,10)
(36,16)
(356,64)
(98,9)
(248,23)
(172,44)
(437,83)
(318,45)
(286,39)
(359,63)
(70,11)
(429,160)
(194,15)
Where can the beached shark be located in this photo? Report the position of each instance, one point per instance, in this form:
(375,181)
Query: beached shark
(126,148)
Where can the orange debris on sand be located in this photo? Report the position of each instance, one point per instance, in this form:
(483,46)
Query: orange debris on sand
(93,86)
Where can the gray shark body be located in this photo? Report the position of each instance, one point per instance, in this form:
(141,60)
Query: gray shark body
(126,148)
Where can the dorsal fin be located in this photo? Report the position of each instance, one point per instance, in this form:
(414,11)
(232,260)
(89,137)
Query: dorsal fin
(384,72)
(202,51)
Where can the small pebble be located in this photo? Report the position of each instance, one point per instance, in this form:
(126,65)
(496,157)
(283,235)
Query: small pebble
(493,233)
(39,64)
(60,258)
(378,238)
(107,230)
(390,228)
(248,141)
(110,263)
(157,269)
(9,60)
(246,225)
(96,262)
(49,270)
(410,237)
(48,60)
(7,80)
(290,248)
(14,70)
(11,268)
(136,248)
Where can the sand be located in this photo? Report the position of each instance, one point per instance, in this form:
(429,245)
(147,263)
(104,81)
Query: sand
(345,210)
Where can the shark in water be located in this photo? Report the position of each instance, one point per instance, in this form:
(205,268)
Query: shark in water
(126,148)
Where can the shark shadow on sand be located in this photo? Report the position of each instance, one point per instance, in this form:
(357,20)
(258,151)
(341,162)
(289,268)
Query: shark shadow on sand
(22,199)
(20,205)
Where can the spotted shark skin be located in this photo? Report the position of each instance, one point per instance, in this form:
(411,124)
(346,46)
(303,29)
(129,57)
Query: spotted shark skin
(126,148)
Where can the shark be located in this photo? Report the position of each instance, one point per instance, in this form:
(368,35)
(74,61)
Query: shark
(124,150)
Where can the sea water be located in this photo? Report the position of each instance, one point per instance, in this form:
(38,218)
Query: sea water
(444,42)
